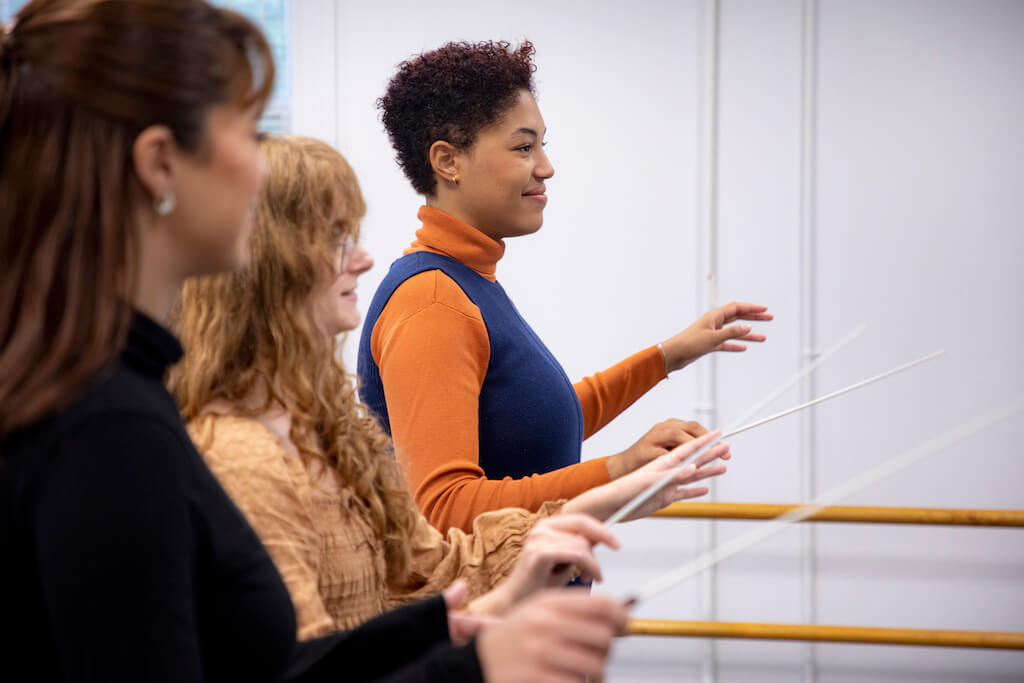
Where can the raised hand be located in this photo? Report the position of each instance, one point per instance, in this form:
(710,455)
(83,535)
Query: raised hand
(554,548)
(659,440)
(709,333)
(603,501)
(461,626)
(553,637)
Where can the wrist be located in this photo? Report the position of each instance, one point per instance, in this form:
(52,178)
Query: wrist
(673,358)
(616,465)
(578,505)
(592,503)
(494,603)
(664,358)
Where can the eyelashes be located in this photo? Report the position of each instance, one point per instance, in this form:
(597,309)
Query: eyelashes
(526,149)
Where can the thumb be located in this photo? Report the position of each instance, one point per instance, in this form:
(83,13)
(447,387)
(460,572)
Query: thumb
(685,473)
(462,627)
(455,594)
(732,332)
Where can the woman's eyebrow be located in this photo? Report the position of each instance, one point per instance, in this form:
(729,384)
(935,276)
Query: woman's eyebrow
(527,131)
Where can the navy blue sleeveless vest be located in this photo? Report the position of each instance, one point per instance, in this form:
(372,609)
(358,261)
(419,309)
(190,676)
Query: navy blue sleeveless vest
(530,419)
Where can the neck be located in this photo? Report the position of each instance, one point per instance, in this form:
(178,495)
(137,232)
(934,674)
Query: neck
(158,282)
(275,418)
(156,298)
(448,201)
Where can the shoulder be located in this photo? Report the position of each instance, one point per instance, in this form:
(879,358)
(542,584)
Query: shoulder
(425,290)
(119,415)
(231,442)
(131,462)
(429,308)
(127,394)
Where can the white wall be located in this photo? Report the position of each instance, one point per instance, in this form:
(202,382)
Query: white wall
(840,161)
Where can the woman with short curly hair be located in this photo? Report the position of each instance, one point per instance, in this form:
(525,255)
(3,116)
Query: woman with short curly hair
(479,409)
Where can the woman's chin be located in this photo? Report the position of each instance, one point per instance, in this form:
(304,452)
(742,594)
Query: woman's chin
(347,322)
(526,228)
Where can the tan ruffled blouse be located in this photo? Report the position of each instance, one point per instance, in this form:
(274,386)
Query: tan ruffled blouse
(319,533)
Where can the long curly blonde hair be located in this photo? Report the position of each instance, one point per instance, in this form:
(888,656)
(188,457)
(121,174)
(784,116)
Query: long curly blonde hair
(250,333)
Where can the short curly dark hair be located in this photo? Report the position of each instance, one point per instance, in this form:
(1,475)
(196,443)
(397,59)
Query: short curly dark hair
(451,94)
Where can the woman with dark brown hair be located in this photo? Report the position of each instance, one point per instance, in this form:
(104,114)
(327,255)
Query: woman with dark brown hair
(129,162)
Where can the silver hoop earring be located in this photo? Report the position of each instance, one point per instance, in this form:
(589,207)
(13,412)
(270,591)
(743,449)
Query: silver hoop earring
(164,205)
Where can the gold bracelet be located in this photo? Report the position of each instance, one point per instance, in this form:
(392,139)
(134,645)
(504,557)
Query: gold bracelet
(664,358)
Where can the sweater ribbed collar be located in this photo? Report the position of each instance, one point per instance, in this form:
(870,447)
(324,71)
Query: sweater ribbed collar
(150,348)
(442,233)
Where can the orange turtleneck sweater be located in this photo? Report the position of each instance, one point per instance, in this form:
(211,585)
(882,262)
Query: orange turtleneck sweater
(431,346)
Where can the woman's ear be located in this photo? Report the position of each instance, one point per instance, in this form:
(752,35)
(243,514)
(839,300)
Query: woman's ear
(444,161)
(152,156)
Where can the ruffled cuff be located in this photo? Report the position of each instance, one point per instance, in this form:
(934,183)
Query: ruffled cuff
(503,534)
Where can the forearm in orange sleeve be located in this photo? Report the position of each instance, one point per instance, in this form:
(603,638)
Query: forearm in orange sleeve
(604,395)
(431,346)
(455,493)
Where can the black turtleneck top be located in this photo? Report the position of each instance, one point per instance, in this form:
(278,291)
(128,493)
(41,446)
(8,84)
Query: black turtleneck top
(124,560)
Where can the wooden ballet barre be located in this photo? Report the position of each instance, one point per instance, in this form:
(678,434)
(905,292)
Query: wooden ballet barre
(850,513)
(1000,640)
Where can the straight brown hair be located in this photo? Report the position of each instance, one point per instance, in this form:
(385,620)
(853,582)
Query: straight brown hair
(79,80)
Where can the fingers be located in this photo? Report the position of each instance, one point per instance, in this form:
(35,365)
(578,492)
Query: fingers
(580,603)
(674,431)
(688,476)
(695,429)
(688,492)
(666,435)
(742,332)
(571,662)
(558,563)
(691,447)
(590,623)
(557,544)
(582,525)
(739,310)
(719,450)
(592,634)
(462,627)
(671,460)
(559,635)
(705,473)
(674,457)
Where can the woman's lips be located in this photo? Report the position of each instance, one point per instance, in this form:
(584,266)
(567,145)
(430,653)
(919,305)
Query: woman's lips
(538,197)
